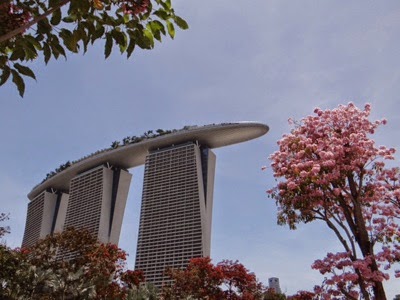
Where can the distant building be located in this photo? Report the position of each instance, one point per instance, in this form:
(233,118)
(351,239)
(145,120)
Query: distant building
(273,283)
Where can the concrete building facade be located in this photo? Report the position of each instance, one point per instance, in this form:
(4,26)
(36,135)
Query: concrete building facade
(97,202)
(176,211)
(46,215)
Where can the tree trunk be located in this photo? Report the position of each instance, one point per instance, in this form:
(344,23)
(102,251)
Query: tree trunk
(379,291)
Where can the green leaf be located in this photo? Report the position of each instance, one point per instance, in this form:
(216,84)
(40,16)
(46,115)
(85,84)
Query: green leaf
(85,40)
(166,4)
(70,18)
(19,82)
(43,26)
(4,75)
(56,48)
(131,47)
(117,36)
(56,18)
(18,53)
(32,40)
(24,70)
(53,3)
(73,7)
(3,61)
(181,23)
(56,52)
(89,26)
(60,50)
(126,18)
(81,35)
(124,42)
(149,36)
(30,50)
(162,14)
(108,46)
(46,52)
(97,34)
(156,28)
(141,40)
(121,39)
(39,37)
(171,29)
(70,40)
(157,25)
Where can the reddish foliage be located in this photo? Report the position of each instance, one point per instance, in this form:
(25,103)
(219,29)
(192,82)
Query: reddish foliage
(238,280)
(302,295)
(133,278)
(202,280)
(102,264)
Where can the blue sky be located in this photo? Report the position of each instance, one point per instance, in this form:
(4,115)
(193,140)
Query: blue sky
(252,60)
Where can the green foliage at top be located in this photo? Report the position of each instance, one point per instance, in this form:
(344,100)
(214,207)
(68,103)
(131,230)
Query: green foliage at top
(30,29)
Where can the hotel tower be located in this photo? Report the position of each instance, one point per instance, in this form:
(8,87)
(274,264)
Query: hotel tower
(177,199)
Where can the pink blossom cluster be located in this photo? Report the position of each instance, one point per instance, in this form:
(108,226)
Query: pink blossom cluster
(331,170)
(345,271)
(326,292)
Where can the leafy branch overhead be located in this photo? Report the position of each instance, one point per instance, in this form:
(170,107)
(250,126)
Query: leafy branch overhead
(52,28)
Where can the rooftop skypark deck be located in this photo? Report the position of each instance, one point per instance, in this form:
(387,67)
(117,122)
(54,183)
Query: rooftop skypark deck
(134,154)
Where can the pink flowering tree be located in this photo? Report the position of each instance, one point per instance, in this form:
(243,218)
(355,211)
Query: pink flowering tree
(32,29)
(330,170)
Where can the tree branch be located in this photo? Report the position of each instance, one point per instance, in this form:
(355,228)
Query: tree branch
(347,294)
(346,230)
(21,29)
(353,186)
(338,234)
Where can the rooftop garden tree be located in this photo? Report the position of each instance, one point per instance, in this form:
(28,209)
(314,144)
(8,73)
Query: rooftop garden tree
(116,144)
(30,29)
(331,171)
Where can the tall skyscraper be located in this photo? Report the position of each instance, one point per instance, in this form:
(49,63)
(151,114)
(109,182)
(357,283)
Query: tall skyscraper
(45,216)
(97,202)
(175,220)
(176,212)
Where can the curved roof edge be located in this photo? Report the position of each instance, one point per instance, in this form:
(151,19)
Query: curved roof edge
(133,155)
